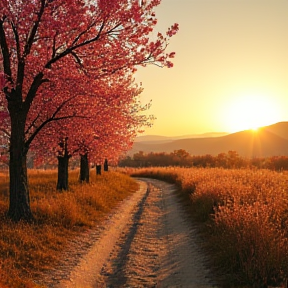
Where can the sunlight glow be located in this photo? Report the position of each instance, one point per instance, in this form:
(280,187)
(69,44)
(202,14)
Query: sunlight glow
(255,129)
(251,111)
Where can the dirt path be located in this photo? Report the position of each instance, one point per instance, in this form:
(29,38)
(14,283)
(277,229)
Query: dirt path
(149,242)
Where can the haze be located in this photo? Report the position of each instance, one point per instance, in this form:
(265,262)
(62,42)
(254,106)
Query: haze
(231,67)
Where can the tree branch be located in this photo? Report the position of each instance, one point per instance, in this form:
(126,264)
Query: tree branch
(78,60)
(32,124)
(72,48)
(5,51)
(33,30)
(21,63)
(82,33)
(50,119)
(37,81)
(44,123)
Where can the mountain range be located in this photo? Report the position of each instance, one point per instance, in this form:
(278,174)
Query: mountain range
(267,141)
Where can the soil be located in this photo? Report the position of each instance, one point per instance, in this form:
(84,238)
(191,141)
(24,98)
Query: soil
(149,241)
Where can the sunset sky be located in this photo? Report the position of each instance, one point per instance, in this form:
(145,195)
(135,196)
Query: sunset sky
(231,67)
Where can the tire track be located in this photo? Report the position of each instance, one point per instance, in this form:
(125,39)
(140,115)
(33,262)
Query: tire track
(164,250)
(135,261)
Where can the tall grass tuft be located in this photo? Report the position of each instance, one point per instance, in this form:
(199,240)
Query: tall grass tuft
(29,249)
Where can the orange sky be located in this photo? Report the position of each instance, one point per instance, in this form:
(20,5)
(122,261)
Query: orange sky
(231,67)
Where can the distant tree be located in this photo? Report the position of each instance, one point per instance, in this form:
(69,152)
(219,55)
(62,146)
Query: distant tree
(221,160)
(182,158)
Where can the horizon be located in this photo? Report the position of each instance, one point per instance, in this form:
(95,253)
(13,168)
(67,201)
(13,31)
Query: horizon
(267,141)
(211,132)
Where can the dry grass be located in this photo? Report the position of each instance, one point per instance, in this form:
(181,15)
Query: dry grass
(247,215)
(29,249)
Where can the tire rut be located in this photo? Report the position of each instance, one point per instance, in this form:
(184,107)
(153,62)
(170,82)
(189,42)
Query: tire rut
(161,249)
(136,260)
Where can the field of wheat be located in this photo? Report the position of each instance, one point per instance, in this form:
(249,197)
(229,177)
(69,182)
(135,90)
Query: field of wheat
(28,249)
(246,217)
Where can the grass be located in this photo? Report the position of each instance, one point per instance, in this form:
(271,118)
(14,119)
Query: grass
(245,215)
(29,249)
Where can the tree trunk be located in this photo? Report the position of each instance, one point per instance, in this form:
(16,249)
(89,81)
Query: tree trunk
(63,163)
(19,205)
(62,182)
(84,168)
(98,169)
(106,165)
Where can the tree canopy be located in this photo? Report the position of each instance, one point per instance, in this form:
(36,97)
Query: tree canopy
(49,50)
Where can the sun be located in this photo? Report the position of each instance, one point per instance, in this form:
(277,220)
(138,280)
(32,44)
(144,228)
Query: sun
(250,111)
(255,129)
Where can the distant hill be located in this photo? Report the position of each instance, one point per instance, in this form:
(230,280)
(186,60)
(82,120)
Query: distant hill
(267,141)
(280,129)
(162,139)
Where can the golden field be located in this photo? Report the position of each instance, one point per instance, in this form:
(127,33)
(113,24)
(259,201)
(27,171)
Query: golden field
(29,249)
(245,212)
(242,214)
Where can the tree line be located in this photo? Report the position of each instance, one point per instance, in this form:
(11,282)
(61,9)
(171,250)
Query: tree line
(67,83)
(182,158)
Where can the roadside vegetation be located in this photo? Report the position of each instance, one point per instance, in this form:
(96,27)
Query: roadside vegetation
(244,216)
(28,249)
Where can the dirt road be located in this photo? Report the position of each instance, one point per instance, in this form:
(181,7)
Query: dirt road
(149,242)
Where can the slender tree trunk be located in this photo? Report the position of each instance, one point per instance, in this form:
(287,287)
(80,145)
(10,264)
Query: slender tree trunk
(62,182)
(98,169)
(19,206)
(84,168)
(106,165)
(63,163)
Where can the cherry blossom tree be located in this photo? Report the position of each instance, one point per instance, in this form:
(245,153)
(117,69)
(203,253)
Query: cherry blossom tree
(106,129)
(40,39)
(116,128)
